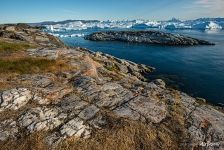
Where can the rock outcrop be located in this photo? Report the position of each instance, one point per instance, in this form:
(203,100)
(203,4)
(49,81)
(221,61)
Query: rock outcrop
(14,99)
(147,37)
(102,94)
(32,35)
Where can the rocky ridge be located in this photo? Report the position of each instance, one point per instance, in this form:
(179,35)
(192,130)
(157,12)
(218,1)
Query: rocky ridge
(147,37)
(31,35)
(102,93)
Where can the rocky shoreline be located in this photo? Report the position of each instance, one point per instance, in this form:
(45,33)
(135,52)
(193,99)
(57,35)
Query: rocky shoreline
(101,97)
(147,37)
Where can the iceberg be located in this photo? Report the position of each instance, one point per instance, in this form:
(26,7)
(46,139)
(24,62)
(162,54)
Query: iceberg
(52,28)
(213,26)
(79,25)
(153,24)
(174,24)
(67,35)
(206,25)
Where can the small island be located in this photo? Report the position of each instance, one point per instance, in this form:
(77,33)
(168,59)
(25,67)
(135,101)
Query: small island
(147,37)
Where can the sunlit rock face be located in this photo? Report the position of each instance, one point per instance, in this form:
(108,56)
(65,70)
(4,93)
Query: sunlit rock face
(102,93)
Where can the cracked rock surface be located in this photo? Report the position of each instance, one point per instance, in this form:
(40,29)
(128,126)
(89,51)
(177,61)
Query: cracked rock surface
(41,118)
(14,98)
(103,93)
(8,128)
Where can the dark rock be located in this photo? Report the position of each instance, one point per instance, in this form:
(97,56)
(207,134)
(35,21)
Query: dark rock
(147,37)
(160,83)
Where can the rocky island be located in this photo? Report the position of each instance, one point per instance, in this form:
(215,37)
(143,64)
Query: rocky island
(147,37)
(57,97)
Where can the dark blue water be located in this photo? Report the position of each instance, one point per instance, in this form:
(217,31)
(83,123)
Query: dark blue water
(197,70)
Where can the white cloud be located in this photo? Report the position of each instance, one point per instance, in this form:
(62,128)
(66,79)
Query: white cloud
(211,4)
(205,8)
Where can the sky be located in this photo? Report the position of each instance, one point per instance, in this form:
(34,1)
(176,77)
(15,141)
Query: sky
(28,11)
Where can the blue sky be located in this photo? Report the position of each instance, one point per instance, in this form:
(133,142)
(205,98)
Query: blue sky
(14,11)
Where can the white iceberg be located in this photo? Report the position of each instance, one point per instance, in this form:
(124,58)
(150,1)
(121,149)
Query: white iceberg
(202,24)
(213,26)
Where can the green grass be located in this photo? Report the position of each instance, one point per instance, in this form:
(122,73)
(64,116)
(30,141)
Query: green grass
(30,65)
(13,47)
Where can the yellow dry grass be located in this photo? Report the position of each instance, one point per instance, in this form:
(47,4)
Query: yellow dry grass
(31,142)
(9,46)
(130,136)
(29,65)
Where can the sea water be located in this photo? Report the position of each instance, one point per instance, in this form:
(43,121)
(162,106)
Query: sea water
(196,70)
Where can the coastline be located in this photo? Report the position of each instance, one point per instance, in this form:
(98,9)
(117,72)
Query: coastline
(98,92)
(149,76)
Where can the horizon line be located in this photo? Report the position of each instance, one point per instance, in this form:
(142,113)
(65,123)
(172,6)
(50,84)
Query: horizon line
(114,20)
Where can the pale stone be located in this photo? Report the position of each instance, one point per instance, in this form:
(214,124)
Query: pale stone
(74,127)
(126,112)
(72,104)
(151,109)
(44,118)
(15,98)
(160,83)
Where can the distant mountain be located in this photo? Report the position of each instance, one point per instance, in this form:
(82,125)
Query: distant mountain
(174,20)
(210,19)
